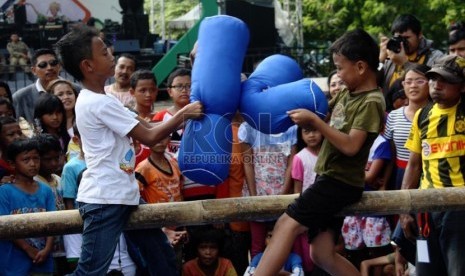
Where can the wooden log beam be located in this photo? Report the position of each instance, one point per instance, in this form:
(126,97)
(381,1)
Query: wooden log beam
(231,209)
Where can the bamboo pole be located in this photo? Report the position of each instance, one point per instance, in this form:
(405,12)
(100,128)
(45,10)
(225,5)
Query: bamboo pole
(232,209)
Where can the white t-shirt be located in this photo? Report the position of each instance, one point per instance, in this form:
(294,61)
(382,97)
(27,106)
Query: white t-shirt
(303,167)
(104,123)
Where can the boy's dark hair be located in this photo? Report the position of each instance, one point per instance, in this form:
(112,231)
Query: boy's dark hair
(19,146)
(76,130)
(357,45)
(330,75)
(404,22)
(417,68)
(5,120)
(176,73)
(8,90)
(300,141)
(456,33)
(47,142)
(41,52)
(300,145)
(74,47)
(46,104)
(128,56)
(209,235)
(6,102)
(141,75)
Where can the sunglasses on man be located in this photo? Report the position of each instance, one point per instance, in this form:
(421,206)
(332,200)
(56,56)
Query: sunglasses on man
(43,64)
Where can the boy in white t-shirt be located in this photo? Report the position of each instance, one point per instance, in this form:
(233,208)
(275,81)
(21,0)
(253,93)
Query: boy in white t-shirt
(108,192)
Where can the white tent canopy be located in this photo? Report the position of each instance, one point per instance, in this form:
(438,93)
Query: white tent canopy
(282,21)
(186,21)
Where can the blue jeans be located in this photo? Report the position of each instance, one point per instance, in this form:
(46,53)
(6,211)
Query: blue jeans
(446,245)
(153,251)
(407,247)
(103,224)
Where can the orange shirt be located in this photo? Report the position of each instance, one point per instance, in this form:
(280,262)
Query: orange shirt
(157,185)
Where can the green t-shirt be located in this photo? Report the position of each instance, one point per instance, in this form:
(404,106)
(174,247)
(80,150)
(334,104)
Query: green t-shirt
(363,111)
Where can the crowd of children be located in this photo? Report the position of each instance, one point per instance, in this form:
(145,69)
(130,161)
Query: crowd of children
(112,135)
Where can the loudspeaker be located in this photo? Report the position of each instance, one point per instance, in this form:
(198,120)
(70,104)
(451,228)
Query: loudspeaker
(50,36)
(259,19)
(132,6)
(127,46)
(20,14)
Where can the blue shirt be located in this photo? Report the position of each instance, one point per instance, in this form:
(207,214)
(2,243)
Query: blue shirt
(14,261)
(69,176)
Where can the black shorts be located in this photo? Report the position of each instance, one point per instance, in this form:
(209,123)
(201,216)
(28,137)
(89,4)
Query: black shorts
(316,206)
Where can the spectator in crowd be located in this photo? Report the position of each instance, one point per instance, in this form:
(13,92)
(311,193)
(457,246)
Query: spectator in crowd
(292,267)
(46,67)
(50,117)
(179,89)
(18,50)
(6,108)
(415,48)
(26,195)
(69,183)
(399,121)
(434,129)
(335,84)
(9,132)
(239,231)
(5,91)
(369,236)
(65,91)
(50,152)
(160,180)
(456,40)
(159,177)
(267,167)
(144,89)
(209,245)
(303,174)
(125,66)
(399,99)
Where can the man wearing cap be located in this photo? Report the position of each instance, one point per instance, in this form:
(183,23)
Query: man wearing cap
(437,160)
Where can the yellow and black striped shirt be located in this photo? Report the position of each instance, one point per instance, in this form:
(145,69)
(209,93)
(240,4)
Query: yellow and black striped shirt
(440,138)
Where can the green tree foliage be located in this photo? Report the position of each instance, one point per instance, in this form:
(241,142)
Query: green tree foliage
(173,9)
(325,20)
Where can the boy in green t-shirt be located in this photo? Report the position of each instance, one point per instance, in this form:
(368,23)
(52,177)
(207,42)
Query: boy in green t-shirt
(356,119)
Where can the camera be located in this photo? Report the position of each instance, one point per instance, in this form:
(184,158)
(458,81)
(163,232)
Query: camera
(394,44)
(115,272)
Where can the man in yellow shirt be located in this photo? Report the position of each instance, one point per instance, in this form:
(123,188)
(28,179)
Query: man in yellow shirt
(437,160)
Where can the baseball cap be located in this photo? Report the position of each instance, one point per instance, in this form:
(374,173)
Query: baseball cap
(450,67)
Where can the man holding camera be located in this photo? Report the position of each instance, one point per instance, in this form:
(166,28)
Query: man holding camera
(408,45)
